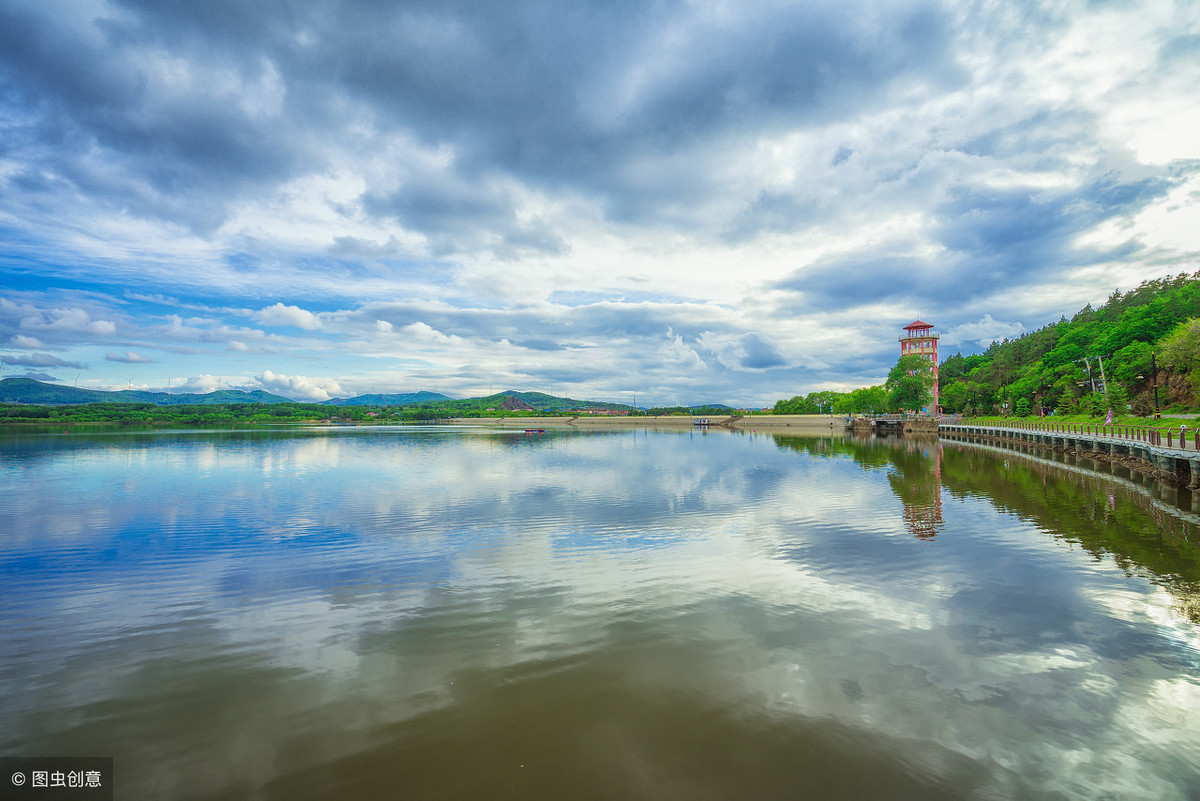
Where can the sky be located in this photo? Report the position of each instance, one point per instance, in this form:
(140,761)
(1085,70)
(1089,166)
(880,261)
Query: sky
(653,202)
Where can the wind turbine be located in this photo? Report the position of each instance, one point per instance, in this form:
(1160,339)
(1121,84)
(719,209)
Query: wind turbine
(77,380)
(130,379)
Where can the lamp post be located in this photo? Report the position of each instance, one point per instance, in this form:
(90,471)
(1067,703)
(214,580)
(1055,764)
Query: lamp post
(1153,382)
(1154,378)
(1087,363)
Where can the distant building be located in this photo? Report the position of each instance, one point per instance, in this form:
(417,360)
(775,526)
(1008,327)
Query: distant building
(920,340)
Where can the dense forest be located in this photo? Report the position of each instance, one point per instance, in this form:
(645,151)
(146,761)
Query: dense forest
(1138,351)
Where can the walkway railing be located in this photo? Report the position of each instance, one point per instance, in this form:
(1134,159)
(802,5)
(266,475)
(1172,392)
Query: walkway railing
(1183,438)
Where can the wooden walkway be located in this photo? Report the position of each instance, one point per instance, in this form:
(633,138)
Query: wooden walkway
(1174,452)
(1182,438)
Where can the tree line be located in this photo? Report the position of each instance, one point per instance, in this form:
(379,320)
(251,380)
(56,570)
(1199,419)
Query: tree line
(909,386)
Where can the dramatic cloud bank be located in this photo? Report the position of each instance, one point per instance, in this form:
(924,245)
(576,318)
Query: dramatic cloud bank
(682,201)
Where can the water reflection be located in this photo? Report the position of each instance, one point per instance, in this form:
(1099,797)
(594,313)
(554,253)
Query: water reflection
(917,481)
(1125,517)
(458,614)
(1107,517)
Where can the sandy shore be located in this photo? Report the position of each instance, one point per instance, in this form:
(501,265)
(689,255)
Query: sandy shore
(763,422)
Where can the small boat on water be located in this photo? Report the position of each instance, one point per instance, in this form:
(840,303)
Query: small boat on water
(535,431)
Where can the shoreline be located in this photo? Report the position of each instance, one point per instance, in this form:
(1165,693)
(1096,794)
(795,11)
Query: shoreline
(798,422)
(811,423)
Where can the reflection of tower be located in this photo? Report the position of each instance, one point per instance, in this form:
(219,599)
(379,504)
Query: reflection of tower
(920,340)
(922,495)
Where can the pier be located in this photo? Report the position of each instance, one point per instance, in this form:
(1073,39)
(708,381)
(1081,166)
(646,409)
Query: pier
(1174,455)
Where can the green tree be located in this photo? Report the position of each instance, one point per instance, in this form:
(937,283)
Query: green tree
(954,397)
(864,400)
(909,384)
(1118,399)
(795,405)
(823,400)
(1181,351)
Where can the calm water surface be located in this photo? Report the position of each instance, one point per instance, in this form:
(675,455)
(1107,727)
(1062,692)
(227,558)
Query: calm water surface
(442,613)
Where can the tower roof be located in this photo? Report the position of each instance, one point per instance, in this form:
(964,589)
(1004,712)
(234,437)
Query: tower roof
(917,324)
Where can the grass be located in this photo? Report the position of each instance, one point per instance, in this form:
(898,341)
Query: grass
(1084,419)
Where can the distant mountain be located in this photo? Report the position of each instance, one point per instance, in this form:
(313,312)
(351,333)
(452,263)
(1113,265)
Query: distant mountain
(543,402)
(403,399)
(27,390)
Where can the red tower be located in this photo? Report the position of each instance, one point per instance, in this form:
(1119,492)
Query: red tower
(920,340)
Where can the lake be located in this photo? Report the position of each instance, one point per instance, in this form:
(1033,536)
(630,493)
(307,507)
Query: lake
(438,612)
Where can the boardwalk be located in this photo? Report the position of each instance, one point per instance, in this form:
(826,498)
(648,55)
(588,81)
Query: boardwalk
(1172,452)
(1182,438)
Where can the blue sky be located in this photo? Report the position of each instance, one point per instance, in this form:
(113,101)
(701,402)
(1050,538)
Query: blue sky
(668,202)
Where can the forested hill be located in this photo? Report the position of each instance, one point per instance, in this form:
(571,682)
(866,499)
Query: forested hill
(28,390)
(403,399)
(1054,367)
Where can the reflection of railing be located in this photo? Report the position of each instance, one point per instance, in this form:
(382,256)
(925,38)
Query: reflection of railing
(1170,438)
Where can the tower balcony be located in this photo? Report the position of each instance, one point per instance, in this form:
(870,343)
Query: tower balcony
(920,335)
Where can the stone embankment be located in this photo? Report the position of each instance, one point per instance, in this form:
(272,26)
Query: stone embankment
(756,422)
(796,422)
(893,424)
(921,425)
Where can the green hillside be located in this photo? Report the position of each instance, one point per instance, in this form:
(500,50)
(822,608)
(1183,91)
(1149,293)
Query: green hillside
(27,390)
(1114,356)
(30,400)
(1136,346)
(543,402)
(403,399)
(510,401)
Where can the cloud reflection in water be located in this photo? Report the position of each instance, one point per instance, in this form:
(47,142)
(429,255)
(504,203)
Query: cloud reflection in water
(661,613)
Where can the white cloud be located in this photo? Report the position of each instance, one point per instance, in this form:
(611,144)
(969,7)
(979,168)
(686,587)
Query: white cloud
(70,321)
(743,352)
(129,357)
(294,316)
(200,384)
(982,332)
(38,360)
(426,334)
(677,353)
(298,387)
(680,172)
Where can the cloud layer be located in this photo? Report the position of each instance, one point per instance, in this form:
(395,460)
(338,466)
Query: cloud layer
(678,200)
